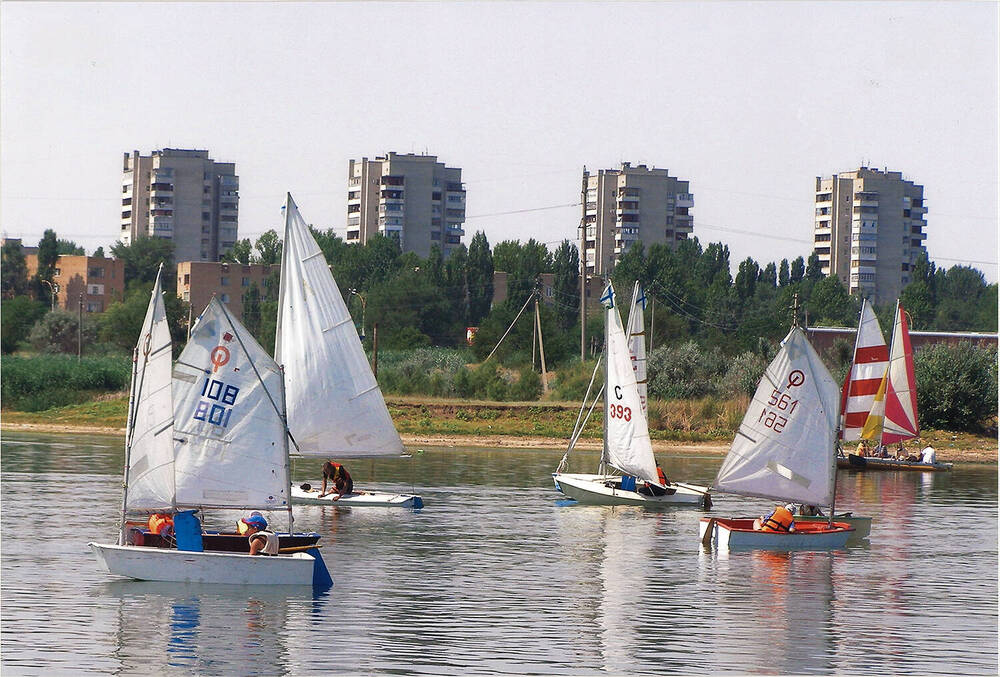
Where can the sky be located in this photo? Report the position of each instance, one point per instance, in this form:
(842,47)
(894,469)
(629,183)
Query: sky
(750,102)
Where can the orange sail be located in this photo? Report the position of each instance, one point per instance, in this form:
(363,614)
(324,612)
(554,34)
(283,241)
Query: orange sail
(893,416)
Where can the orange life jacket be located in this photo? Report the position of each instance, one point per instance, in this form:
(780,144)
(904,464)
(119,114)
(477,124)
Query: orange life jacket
(779,520)
(661,476)
(160,523)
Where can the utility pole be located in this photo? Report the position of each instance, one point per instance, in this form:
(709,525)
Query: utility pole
(795,309)
(79,330)
(652,320)
(541,349)
(583,267)
(375,349)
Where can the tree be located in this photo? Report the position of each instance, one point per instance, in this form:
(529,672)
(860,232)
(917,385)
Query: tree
(251,310)
(769,276)
(142,258)
(455,286)
(13,270)
(783,274)
(566,285)
(268,248)
(69,248)
(746,279)
(48,254)
(956,386)
(99,253)
(479,277)
(797,270)
(57,332)
(830,303)
(241,252)
(814,270)
(17,316)
(121,323)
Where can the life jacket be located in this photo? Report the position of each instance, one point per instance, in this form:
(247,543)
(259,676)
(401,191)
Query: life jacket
(780,519)
(161,524)
(661,476)
(271,546)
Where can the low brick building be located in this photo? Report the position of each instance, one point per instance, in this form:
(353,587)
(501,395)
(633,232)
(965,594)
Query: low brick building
(199,281)
(823,338)
(100,281)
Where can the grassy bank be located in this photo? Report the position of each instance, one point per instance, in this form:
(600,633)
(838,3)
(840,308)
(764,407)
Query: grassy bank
(705,420)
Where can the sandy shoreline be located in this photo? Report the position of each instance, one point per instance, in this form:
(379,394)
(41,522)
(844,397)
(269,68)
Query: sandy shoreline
(514,442)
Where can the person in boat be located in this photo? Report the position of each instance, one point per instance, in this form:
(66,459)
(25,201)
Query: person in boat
(929,455)
(161,524)
(810,511)
(338,476)
(862,449)
(781,519)
(242,526)
(654,490)
(262,540)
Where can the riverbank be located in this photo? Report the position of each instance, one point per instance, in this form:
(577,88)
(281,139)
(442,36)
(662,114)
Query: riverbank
(455,423)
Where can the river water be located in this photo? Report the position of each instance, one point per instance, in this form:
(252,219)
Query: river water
(497,574)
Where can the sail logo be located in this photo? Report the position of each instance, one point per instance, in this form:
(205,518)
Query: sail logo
(782,402)
(217,405)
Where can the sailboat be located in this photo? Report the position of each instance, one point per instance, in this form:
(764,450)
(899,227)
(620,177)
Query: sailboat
(627,447)
(211,434)
(784,450)
(893,414)
(335,406)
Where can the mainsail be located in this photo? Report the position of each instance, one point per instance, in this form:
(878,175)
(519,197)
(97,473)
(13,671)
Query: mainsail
(335,407)
(637,342)
(230,437)
(871,358)
(783,449)
(626,433)
(149,481)
(893,416)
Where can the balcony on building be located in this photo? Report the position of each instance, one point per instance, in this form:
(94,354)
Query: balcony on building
(455,187)
(229,182)
(824,196)
(389,194)
(685,200)
(390,180)
(161,189)
(627,208)
(866,199)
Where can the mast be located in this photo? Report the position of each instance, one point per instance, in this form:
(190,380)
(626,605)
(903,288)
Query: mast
(288,470)
(607,401)
(129,425)
(888,369)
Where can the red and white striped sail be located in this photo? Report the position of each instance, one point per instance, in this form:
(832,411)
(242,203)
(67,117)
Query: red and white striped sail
(871,359)
(893,417)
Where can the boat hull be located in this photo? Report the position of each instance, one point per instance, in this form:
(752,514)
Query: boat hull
(181,566)
(862,525)
(595,490)
(739,533)
(373,499)
(855,462)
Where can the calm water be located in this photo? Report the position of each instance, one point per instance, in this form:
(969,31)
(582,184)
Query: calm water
(497,574)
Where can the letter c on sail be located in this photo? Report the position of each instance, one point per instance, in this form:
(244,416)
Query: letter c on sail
(618,392)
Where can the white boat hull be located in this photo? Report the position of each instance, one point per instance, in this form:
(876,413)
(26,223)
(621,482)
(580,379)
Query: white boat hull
(739,533)
(372,499)
(594,490)
(181,566)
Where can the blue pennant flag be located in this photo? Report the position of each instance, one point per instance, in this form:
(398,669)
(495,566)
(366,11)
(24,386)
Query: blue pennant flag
(609,297)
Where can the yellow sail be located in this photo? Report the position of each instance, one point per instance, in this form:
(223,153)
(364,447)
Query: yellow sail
(872,429)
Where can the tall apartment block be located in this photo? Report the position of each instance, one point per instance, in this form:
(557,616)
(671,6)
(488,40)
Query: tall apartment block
(630,204)
(184,196)
(869,230)
(413,198)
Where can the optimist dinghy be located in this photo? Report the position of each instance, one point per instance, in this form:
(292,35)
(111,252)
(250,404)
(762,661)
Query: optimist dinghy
(785,450)
(306,494)
(212,435)
(335,406)
(627,447)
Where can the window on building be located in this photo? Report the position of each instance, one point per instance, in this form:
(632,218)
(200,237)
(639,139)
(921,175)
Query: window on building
(224,298)
(95,271)
(245,282)
(187,278)
(435,235)
(224,281)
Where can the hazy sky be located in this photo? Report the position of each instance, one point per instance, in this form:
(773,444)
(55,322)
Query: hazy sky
(748,101)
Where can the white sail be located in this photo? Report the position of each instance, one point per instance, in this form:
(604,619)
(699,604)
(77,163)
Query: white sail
(230,441)
(335,407)
(871,358)
(784,447)
(150,473)
(627,435)
(637,342)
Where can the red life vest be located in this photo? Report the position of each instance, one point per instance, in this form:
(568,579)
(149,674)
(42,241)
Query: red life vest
(661,476)
(779,520)
(160,523)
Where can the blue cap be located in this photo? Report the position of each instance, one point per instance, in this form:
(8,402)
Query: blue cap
(255,520)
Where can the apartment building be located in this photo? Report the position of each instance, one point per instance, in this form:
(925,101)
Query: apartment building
(94,282)
(869,230)
(413,198)
(199,281)
(632,204)
(184,196)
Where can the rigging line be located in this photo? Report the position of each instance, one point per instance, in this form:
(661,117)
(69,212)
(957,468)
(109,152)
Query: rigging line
(523,211)
(681,311)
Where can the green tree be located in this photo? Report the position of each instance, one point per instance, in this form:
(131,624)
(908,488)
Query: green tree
(746,278)
(48,255)
(479,277)
(268,248)
(99,253)
(57,332)
(455,286)
(142,258)
(69,248)
(797,271)
(121,323)
(814,270)
(251,310)
(241,252)
(566,284)
(956,386)
(830,304)
(13,270)
(916,297)
(769,276)
(783,274)
(17,316)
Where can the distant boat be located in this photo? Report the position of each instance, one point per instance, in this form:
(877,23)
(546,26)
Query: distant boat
(784,450)
(335,406)
(893,416)
(627,447)
(210,435)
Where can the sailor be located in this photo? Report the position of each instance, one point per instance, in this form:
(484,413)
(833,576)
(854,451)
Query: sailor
(341,479)
(161,524)
(262,540)
(929,455)
(810,511)
(781,519)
